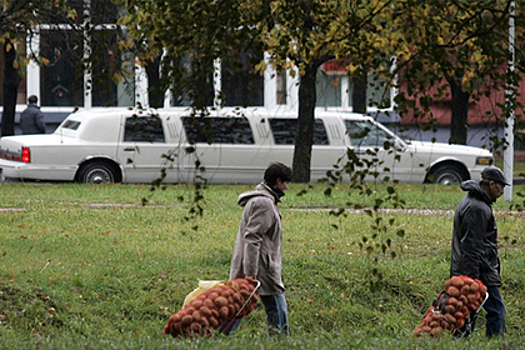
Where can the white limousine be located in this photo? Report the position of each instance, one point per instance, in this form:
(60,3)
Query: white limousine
(130,146)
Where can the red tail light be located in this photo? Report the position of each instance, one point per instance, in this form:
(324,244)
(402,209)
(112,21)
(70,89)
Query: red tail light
(26,155)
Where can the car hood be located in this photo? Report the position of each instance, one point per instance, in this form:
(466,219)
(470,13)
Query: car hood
(445,149)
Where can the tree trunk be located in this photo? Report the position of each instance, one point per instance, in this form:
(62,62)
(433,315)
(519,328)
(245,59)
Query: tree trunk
(155,88)
(359,94)
(10,90)
(459,107)
(305,126)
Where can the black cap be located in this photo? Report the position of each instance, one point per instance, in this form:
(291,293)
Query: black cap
(492,173)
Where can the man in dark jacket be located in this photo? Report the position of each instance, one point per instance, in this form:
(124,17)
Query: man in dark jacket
(475,243)
(32,119)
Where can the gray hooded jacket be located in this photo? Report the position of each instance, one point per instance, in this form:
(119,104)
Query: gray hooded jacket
(32,120)
(475,240)
(258,249)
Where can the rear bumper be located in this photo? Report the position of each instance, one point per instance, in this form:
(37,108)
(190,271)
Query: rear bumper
(17,170)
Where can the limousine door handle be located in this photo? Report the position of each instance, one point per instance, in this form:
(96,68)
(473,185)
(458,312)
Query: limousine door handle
(129,149)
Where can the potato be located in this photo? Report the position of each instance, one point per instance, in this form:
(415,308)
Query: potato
(450,309)
(460,323)
(205,311)
(204,322)
(436,331)
(195,327)
(224,313)
(220,302)
(186,321)
(453,291)
(450,318)
(215,313)
(208,303)
(465,289)
(213,295)
(213,322)
(245,294)
(474,287)
(457,282)
(196,316)
(434,324)
(226,293)
(471,297)
(447,284)
(196,304)
(174,318)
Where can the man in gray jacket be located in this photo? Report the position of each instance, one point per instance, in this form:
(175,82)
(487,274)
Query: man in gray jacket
(475,243)
(32,119)
(258,250)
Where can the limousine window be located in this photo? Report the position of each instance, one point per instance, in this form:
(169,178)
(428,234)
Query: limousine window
(143,129)
(218,130)
(283,131)
(71,124)
(364,133)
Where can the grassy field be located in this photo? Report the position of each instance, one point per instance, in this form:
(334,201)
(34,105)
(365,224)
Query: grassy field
(89,267)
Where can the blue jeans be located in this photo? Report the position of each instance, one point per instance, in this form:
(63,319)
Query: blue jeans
(495,318)
(276,316)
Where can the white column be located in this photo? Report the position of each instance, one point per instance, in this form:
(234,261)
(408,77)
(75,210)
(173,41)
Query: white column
(270,85)
(508,156)
(88,69)
(345,85)
(33,70)
(217,83)
(141,87)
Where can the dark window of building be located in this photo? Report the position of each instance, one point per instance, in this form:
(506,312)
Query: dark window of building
(113,73)
(328,87)
(284,131)
(61,78)
(144,129)
(240,84)
(218,130)
(202,94)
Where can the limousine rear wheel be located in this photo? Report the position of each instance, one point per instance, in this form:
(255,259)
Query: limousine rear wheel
(97,172)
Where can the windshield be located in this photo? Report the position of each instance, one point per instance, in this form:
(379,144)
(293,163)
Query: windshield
(366,133)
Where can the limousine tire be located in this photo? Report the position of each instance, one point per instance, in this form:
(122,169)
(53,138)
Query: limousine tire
(99,171)
(448,175)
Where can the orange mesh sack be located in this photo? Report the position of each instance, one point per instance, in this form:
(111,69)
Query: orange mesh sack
(210,309)
(462,297)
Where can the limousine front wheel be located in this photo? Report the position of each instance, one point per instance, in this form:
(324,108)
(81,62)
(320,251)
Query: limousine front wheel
(447,175)
(97,172)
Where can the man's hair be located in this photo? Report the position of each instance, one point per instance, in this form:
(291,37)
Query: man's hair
(32,99)
(277,171)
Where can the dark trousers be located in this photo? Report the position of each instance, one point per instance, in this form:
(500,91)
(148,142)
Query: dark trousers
(276,316)
(495,318)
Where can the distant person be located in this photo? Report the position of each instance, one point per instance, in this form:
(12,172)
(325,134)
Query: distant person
(257,253)
(475,244)
(32,119)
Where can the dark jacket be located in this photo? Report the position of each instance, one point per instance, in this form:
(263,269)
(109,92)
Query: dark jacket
(32,120)
(475,240)
(258,249)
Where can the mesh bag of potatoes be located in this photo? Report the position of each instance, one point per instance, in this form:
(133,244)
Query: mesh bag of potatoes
(462,297)
(214,306)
